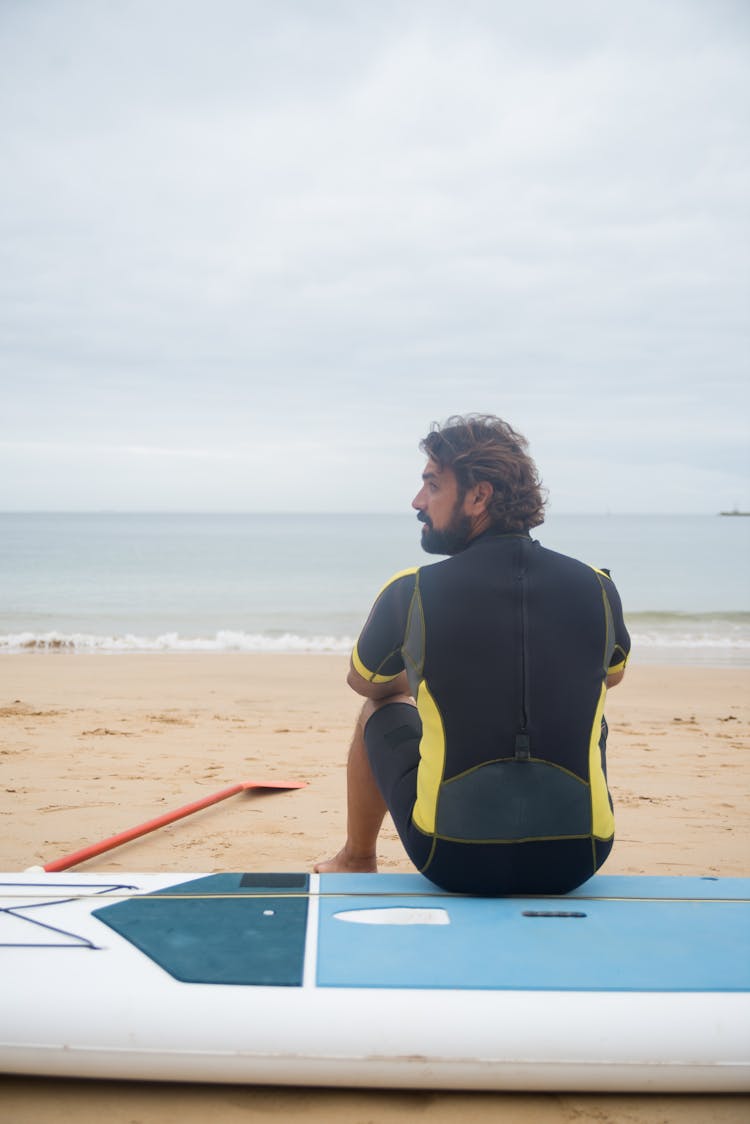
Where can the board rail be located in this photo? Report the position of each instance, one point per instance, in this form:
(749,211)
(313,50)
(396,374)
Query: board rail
(648,992)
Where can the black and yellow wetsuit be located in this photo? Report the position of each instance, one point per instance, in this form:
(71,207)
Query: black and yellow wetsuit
(499,785)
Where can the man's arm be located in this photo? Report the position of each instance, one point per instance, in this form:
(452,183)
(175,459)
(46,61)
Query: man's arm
(622,639)
(615,677)
(396,686)
(377,670)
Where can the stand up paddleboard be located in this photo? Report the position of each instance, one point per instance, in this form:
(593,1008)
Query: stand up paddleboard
(627,984)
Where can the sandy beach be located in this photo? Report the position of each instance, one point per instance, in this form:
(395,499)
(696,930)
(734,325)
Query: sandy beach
(91,745)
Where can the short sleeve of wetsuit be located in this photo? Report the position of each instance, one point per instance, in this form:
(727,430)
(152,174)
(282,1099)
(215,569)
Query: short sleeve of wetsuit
(622,639)
(377,654)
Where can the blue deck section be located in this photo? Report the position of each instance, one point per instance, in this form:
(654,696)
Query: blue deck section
(221,929)
(670,887)
(615,933)
(636,934)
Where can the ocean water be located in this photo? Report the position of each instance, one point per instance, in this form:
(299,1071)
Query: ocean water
(304,583)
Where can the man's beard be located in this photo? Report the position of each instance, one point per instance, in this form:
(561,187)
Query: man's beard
(451,539)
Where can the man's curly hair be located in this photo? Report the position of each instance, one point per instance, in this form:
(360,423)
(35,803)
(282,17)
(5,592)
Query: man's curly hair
(483,447)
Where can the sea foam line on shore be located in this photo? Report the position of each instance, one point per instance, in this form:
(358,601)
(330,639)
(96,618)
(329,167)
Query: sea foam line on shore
(692,641)
(223,641)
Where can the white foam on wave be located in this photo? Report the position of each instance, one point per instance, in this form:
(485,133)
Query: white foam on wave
(733,643)
(688,640)
(223,641)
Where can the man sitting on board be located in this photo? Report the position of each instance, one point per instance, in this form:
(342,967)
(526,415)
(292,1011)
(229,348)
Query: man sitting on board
(485,676)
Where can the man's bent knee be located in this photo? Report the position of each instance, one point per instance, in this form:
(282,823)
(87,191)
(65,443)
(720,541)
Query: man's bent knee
(371,705)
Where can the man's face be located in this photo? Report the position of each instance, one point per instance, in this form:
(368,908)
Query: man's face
(447,525)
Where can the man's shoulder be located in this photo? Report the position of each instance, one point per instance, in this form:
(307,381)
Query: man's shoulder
(574,569)
(402,575)
(400,579)
(557,558)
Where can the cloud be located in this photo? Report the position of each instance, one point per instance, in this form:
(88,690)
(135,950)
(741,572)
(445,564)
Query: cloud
(351,219)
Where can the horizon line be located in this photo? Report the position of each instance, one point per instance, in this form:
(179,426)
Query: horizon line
(298,512)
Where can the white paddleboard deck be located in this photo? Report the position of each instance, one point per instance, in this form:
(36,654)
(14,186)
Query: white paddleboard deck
(628,984)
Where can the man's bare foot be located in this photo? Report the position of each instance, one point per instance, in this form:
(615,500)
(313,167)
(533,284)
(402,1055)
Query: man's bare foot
(346,863)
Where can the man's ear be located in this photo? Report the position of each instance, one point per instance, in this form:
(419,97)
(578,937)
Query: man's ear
(481,496)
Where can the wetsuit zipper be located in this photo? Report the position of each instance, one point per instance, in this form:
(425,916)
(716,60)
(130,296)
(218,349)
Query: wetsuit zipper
(522,740)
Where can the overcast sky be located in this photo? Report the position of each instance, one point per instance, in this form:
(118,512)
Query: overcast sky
(251,250)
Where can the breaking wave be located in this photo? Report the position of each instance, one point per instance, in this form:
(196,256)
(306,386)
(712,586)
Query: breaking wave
(657,637)
(224,641)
